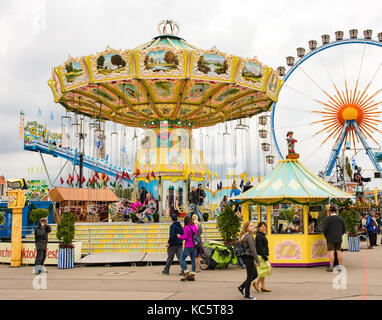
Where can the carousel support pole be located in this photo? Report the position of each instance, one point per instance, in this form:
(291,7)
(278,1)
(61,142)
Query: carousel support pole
(306,214)
(46,170)
(258,208)
(16,202)
(376,195)
(245,209)
(268,220)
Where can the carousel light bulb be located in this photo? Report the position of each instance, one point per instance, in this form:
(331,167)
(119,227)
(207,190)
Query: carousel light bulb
(300,52)
(312,44)
(353,33)
(325,38)
(339,35)
(367,33)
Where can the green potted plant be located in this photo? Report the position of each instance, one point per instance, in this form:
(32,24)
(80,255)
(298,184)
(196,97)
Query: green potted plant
(36,214)
(65,233)
(351,221)
(2,219)
(205,216)
(229,225)
(156,217)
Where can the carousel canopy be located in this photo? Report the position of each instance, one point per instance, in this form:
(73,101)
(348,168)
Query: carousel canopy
(165,79)
(290,180)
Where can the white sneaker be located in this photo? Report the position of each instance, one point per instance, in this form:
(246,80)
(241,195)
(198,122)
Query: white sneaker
(250,298)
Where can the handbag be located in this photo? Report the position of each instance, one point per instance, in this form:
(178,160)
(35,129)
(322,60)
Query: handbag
(197,240)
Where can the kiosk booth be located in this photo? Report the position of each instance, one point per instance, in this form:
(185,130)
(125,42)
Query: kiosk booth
(295,241)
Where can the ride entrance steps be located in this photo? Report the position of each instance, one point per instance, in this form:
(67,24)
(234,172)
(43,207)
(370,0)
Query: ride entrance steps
(126,242)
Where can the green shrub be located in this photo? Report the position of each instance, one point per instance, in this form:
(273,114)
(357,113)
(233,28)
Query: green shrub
(351,221)
(2,219)
(287,214)
(66,229)
(228,224)
(36,214)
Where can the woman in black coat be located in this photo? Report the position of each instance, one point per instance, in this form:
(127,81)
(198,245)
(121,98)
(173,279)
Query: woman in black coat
(41,242)
(263,251)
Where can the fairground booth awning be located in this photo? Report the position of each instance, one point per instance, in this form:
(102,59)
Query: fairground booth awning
(291,182)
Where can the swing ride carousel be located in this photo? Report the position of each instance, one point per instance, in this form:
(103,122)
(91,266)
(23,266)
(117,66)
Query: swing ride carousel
(165,88)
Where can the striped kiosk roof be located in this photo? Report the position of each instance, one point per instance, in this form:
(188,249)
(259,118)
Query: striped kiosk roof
(290,180)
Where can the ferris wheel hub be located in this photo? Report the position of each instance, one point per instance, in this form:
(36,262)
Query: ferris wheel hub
(350,113)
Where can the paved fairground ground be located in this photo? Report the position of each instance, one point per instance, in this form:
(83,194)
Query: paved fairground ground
(361,280)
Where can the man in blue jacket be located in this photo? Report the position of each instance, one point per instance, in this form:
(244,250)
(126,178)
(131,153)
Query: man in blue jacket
(174,245)
(371,226)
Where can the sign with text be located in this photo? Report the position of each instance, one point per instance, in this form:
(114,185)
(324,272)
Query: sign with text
(28,252)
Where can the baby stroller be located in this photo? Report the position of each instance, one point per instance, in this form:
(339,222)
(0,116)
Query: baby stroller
(217,255)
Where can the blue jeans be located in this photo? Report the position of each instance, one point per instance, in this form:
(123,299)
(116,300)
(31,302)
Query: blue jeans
(148,216)
(188,252)
(198,212)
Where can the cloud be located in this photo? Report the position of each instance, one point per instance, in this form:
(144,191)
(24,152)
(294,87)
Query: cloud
(38,35)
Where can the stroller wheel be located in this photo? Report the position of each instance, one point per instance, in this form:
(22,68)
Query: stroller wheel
(204,263)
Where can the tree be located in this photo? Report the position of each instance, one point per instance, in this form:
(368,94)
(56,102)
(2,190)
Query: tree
(170,57)
(66,229)
(36,214)
(100,62)
(228,224)
(116,60)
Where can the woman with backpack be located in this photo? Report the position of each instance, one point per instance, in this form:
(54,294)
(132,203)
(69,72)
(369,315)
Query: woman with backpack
(250,255)
(262,249)
(189,230)
(199,251)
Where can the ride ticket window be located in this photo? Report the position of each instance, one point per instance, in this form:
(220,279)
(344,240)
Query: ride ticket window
(287,219)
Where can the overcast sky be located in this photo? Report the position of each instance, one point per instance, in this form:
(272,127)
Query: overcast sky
(37,35)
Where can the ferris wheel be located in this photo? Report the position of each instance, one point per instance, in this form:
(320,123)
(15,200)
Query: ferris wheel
(331,101)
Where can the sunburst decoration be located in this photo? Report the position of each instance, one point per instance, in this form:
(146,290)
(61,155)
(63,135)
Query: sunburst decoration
(350,105)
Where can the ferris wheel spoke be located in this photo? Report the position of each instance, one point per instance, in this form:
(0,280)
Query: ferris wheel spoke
(311,79)
(294,126)
(312,153)
(294,109)
(360,65)
(298,91)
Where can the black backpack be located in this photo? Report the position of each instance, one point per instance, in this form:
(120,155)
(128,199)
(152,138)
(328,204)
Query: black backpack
(197,239)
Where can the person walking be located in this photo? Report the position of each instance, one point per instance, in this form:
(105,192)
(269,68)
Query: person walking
(371,226)
(262,250)
(41,242)
(250,254)
(199,252)
(174,244)
(189,230)
(201,196)
(334,228)
(194,201)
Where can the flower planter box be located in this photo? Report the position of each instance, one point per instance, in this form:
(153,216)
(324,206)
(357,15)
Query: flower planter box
(66,258)
(354,244)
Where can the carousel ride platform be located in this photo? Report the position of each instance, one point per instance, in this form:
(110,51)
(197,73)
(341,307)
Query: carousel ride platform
(123,242)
